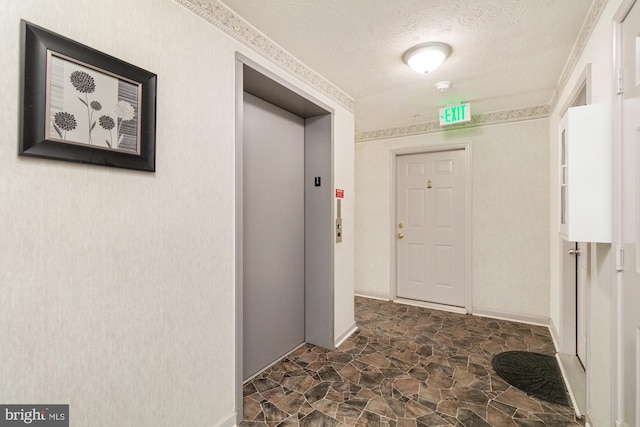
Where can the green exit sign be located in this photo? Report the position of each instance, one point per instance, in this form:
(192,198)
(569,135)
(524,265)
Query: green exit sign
(455,114)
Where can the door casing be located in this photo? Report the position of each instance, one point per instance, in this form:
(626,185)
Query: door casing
(583,299)
(568,296)
(567,329)
(622,401)
(319,205)
(466,146)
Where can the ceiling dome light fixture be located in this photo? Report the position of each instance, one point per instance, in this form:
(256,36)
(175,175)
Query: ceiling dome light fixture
(426,57)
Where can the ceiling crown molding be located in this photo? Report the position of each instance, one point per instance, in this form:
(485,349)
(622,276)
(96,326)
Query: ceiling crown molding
(587,28)
(219,15)
(232,24)
(497,117)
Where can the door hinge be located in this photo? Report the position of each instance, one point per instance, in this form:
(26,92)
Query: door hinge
(619,258)
(620,81)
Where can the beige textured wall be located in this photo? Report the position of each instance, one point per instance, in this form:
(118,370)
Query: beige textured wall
(116,286)
(510,215)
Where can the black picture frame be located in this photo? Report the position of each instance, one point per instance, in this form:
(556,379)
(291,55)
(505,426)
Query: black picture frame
(43,133)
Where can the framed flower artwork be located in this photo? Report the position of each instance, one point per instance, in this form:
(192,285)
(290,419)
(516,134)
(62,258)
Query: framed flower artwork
(84,106)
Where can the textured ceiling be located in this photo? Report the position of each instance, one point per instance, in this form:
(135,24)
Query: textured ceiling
(506,54)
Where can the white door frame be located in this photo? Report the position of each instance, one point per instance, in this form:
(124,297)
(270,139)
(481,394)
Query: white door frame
(567,328)
(466,146)
(617,235)
(566,333)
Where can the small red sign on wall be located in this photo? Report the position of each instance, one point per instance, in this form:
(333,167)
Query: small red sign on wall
(339,193)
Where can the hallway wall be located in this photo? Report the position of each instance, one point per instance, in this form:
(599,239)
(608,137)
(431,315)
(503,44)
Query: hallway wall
(598,52)
(510,215)
(117,286)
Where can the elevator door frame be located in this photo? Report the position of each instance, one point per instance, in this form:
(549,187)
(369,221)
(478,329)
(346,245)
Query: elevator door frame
(319,205)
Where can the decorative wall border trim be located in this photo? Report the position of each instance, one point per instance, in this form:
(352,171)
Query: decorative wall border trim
(497,117)
(232,24)
(219,15)
(587,28)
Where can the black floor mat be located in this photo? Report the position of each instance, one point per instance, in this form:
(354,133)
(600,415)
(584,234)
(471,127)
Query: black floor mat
(536,374)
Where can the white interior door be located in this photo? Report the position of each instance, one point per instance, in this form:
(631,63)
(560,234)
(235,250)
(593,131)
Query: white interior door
(431,229)
(630,197)
(569,325)
(273,230)
(582,280)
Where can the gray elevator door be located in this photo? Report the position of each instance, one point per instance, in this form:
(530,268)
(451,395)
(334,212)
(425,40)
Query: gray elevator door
(273,230)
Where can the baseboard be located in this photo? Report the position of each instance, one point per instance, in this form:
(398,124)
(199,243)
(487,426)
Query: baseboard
(513,317)
(521,318)
(433,306)
(575,381)
(554,334)
(229,421)
(302,344)
(346,334)
(371,294)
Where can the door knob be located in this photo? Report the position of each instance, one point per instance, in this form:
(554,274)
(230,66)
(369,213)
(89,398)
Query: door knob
(400,235)
(574,252)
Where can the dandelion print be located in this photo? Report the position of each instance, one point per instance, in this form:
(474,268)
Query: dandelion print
(100,109)
(84,83)
(125,112)
(95,106)
(65,122)
(107,123)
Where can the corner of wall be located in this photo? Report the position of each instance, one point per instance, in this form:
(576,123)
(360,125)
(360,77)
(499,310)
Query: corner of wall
(232,420)
(554,334)
(372,294)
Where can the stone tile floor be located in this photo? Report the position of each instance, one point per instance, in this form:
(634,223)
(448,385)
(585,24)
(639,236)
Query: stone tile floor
(406,366)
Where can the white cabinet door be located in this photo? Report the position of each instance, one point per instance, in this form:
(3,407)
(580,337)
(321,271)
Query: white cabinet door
(585,174)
